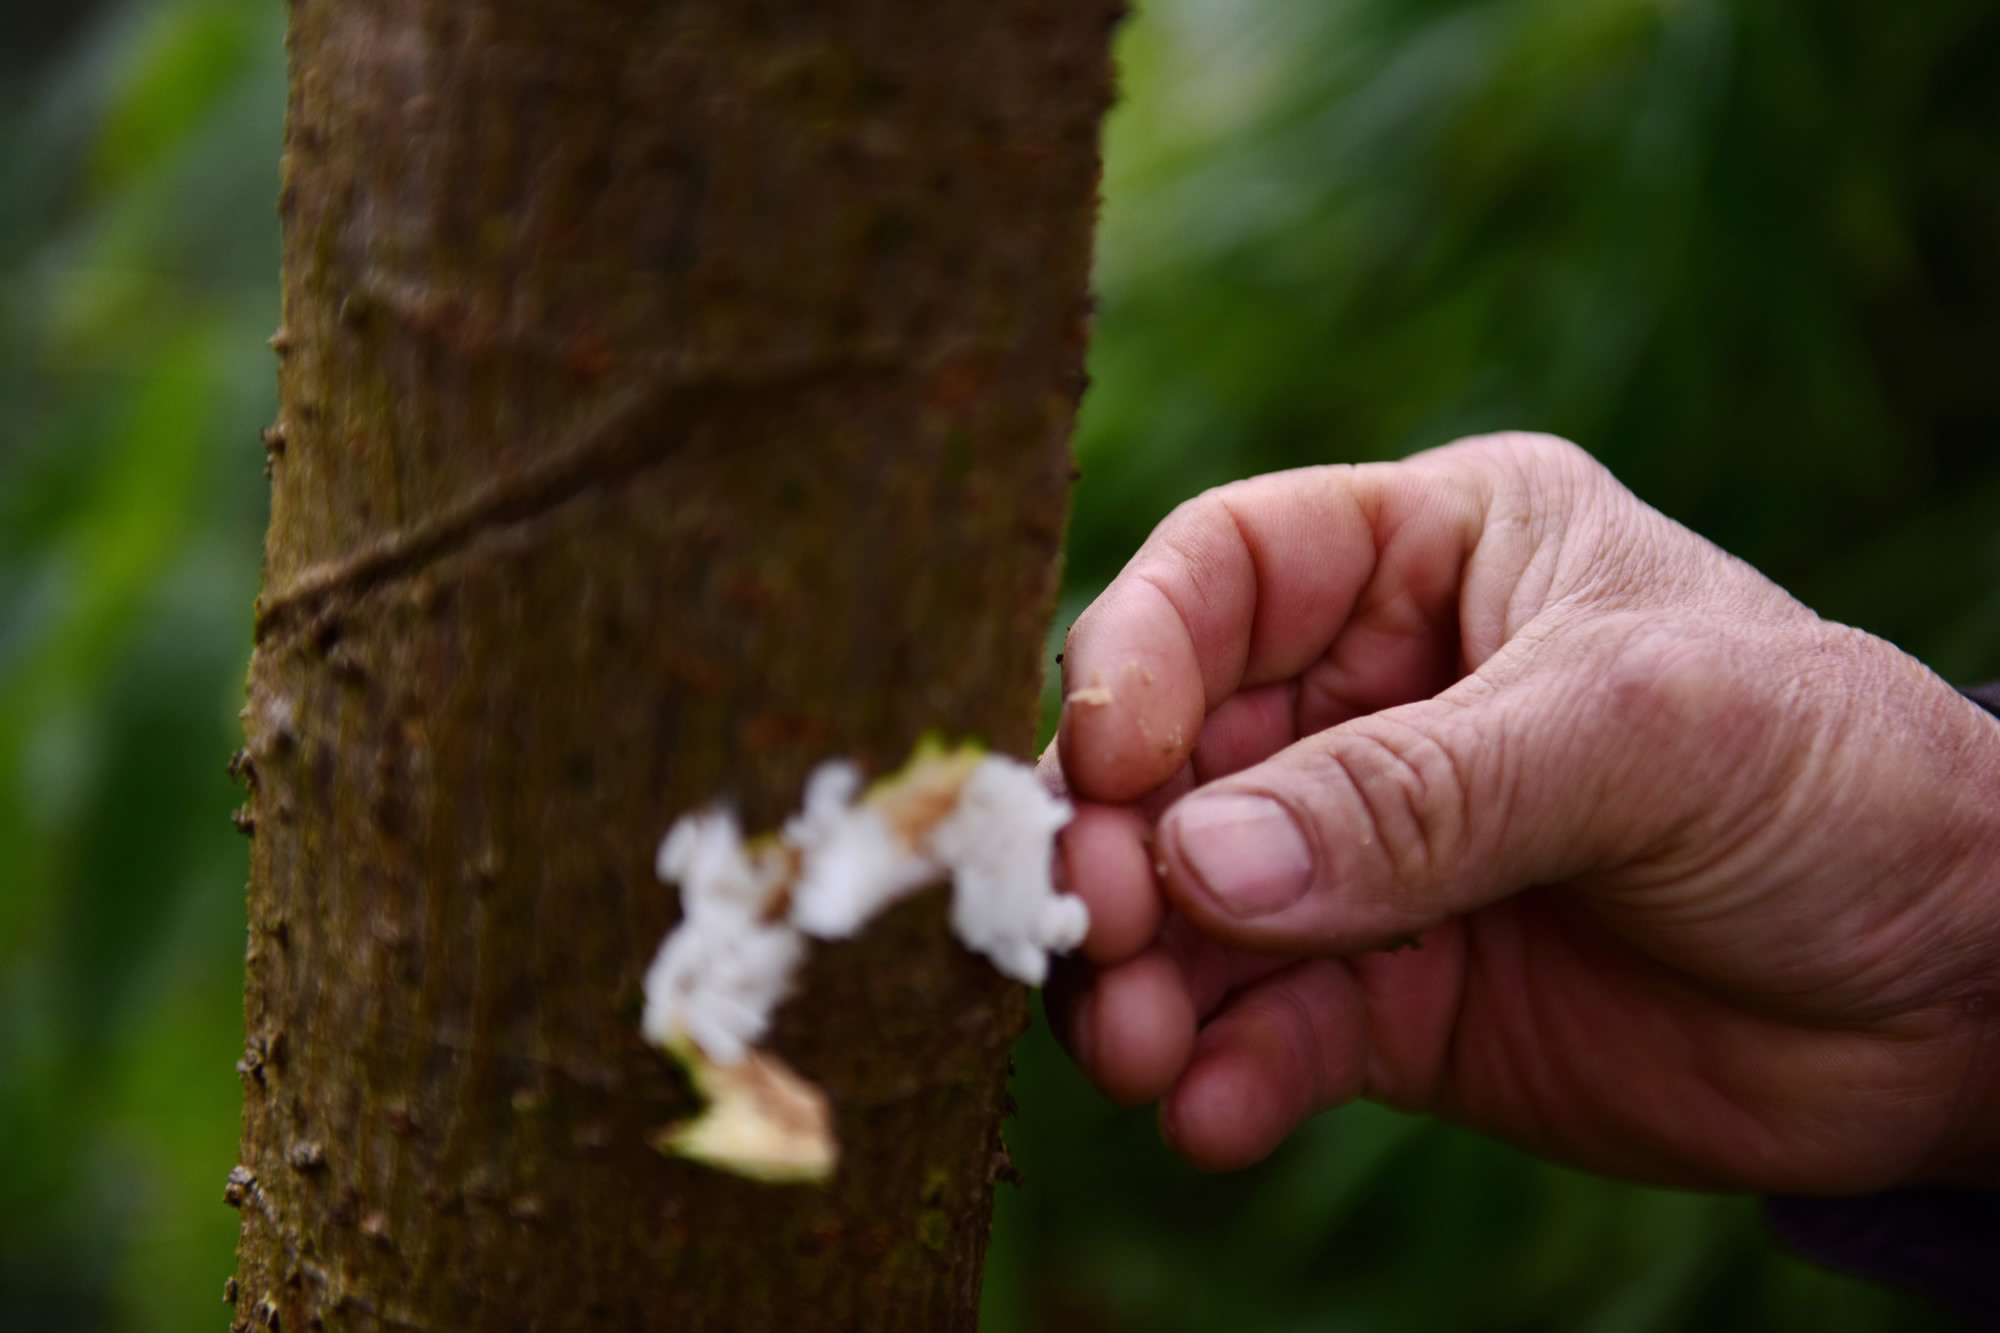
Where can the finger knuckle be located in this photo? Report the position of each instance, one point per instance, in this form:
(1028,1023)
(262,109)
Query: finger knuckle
(1534,453)
(1669,681)
(1412,794)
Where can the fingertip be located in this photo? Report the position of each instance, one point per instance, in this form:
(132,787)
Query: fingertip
(1132,1033)
(1048,768)
(1283,1049)
(1219,1115)
(1134,698)
(1107,860)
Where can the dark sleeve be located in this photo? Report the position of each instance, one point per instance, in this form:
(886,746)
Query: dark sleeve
(1941,1244)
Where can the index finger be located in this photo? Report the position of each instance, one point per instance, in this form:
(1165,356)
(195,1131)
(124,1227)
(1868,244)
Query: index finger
(1257,581)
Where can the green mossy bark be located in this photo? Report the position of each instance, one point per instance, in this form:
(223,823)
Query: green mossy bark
(672,396)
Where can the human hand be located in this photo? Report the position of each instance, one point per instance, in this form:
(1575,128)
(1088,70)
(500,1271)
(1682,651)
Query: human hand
(1705,889)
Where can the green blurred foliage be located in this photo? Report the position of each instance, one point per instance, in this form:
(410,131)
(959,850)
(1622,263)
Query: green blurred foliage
(1748,253)
(138,257)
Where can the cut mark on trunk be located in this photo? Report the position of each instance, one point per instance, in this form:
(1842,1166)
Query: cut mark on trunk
(630,431)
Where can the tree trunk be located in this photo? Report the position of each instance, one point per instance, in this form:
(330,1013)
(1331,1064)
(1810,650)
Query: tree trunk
(673,395)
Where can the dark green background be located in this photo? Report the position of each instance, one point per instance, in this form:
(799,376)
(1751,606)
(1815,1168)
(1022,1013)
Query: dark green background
(1747,252)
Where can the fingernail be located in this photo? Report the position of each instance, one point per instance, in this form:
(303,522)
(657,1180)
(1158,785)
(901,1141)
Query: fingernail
(1246,850)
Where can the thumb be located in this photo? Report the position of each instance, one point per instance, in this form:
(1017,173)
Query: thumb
(1532,771)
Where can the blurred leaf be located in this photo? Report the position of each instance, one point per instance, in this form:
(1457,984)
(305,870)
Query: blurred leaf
(177,65)
(131,327)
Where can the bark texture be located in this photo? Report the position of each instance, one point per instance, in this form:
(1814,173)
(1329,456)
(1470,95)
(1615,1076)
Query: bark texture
(673,395)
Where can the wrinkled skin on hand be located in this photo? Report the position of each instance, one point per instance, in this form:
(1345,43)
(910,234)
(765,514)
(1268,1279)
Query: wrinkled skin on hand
(1705,890)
